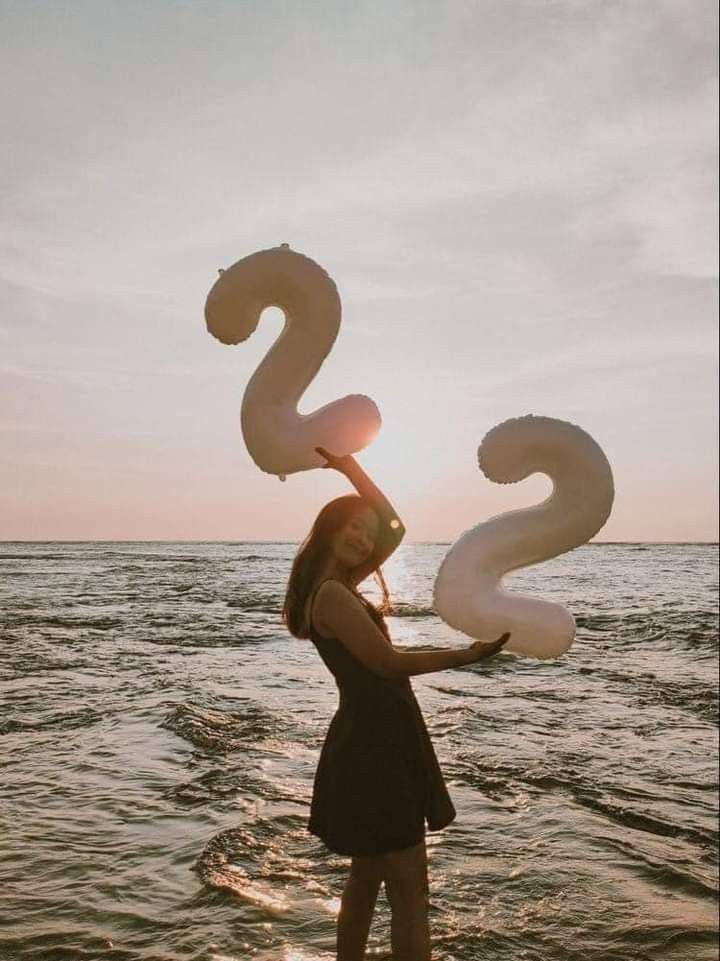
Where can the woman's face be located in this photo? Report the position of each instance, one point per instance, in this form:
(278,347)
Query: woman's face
(355,542)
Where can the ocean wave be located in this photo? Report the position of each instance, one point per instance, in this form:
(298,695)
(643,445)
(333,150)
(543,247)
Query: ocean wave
(627,816)
(403,609)
(64,720)
(222,731)
(205,636)
(695,697)
(163,558)
(690,629)
(262,604)
(673,878)
(270,863)
(628,809)
(68,622)
(34,556)
(25,663)
(217,784)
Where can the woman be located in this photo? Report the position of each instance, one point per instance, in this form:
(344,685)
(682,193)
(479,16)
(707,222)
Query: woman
(378,779)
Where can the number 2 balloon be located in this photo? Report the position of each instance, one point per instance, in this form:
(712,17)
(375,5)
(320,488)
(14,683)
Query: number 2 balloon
(279,439)
(468,593)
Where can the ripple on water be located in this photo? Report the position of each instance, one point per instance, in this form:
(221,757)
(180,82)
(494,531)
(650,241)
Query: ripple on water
(58,721)
(270,863)
(224,731)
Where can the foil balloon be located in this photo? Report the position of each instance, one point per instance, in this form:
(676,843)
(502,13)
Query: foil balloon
(280,439)
(469,594)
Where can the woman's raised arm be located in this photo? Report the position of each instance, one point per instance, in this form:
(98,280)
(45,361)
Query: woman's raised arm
(391,529)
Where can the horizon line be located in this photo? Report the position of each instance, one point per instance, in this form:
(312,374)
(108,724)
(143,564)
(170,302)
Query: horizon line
(103,540)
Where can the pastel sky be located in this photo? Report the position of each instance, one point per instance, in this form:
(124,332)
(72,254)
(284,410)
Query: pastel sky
(516,198)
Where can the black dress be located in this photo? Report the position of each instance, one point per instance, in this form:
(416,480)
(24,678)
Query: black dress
(378,779)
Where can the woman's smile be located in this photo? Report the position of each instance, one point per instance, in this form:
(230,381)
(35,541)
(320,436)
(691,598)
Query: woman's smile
(357,549)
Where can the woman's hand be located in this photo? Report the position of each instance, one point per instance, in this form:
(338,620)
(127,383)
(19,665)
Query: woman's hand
(481,650)
(342,464)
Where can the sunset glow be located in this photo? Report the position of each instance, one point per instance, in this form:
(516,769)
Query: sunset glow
(518,210)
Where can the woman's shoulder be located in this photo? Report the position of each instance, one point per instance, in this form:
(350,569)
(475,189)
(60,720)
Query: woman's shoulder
(333,593)
(328,591)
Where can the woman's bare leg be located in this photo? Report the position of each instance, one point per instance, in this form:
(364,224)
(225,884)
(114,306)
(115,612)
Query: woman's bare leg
(357,908)
(406,884)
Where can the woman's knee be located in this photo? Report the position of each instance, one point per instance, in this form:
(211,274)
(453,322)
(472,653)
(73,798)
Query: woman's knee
(408,899)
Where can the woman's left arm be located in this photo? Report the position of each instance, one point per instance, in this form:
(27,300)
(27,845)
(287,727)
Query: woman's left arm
(390,530)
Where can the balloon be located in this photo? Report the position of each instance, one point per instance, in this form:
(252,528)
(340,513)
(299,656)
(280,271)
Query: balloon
(279,439)
(468,591)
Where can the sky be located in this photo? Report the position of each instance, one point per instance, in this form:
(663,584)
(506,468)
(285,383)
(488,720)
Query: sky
(517,200)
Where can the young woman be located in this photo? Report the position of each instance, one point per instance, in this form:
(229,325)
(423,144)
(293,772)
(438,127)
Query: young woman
(378,780)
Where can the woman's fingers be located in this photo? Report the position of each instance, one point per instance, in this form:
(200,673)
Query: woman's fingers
(490,649)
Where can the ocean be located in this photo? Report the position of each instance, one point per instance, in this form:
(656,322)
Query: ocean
(160,731)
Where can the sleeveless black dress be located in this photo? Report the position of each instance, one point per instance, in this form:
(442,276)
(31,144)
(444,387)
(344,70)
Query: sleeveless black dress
(378,780)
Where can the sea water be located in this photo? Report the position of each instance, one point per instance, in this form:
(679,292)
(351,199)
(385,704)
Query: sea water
(160,731)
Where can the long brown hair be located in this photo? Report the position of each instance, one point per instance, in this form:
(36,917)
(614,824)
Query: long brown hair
(311,558)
